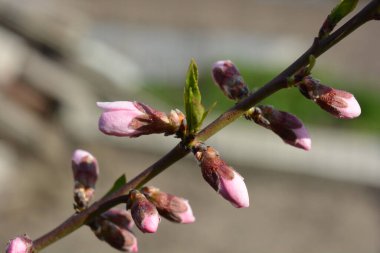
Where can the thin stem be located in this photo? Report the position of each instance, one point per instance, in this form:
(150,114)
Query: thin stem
(178,152)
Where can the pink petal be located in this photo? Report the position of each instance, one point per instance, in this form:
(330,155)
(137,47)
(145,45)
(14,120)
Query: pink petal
(303,139)
(117,105)
(133,247)
(118,122)
(150,223)
(79,155)
(130,241)
(187,216)
(352,110)
(234,190)
(19,245)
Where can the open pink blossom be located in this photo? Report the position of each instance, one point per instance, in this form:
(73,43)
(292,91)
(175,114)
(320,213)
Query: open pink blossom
(120,118)
(223,178)
(226,75)
(339,103)
(132,119)
(144,213)
(20,244)
(169,206)
(286,125)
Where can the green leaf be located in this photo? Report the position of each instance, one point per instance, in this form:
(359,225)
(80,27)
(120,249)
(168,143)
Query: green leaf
(336,15)
(311,65)
(122,180)
(192,98)
(342,10)
(208,111)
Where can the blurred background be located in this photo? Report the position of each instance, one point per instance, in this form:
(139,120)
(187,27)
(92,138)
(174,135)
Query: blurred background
(58,57)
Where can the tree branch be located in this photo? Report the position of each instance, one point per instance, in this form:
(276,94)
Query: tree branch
(318,47)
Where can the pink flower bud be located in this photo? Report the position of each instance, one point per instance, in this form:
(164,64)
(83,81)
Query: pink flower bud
(132,119)
(121,217)
(223,178)
(171,207)
(85,171)
(287,126)
(85,168)
(20,244)
(227,77)
(144,213)
(339,103)
(115,235)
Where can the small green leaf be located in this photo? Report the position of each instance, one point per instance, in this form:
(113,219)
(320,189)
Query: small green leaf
(336,15)
(192,97)
(122,180)
(208,111)
(342,10)
(311,65)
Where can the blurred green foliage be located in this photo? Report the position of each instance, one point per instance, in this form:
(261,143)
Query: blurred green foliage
(289,100)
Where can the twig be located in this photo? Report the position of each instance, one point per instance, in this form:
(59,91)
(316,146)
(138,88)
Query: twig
(318,47)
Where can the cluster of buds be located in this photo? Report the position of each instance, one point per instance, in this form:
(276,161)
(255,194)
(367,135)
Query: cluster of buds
(221,177)
(20,244)
(228,78)
(85,172)
(133,119)
(339,103)
(287,126)
(148,204)
(114,227)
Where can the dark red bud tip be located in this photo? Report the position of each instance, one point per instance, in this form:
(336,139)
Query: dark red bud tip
(286,125)
(227,77)
(116,236)
(120,217)
(85,168)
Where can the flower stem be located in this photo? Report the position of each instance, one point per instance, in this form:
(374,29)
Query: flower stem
(318,47)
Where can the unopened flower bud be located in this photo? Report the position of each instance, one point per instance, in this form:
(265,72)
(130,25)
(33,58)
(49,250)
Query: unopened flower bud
(115,235)
(223,178)
(20,244)
(287,126)
(339,103)
(121,217)
(85,171)
(177,120)
(171,207)
(144,213)
(132,119)
(227,77)
(85,168)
